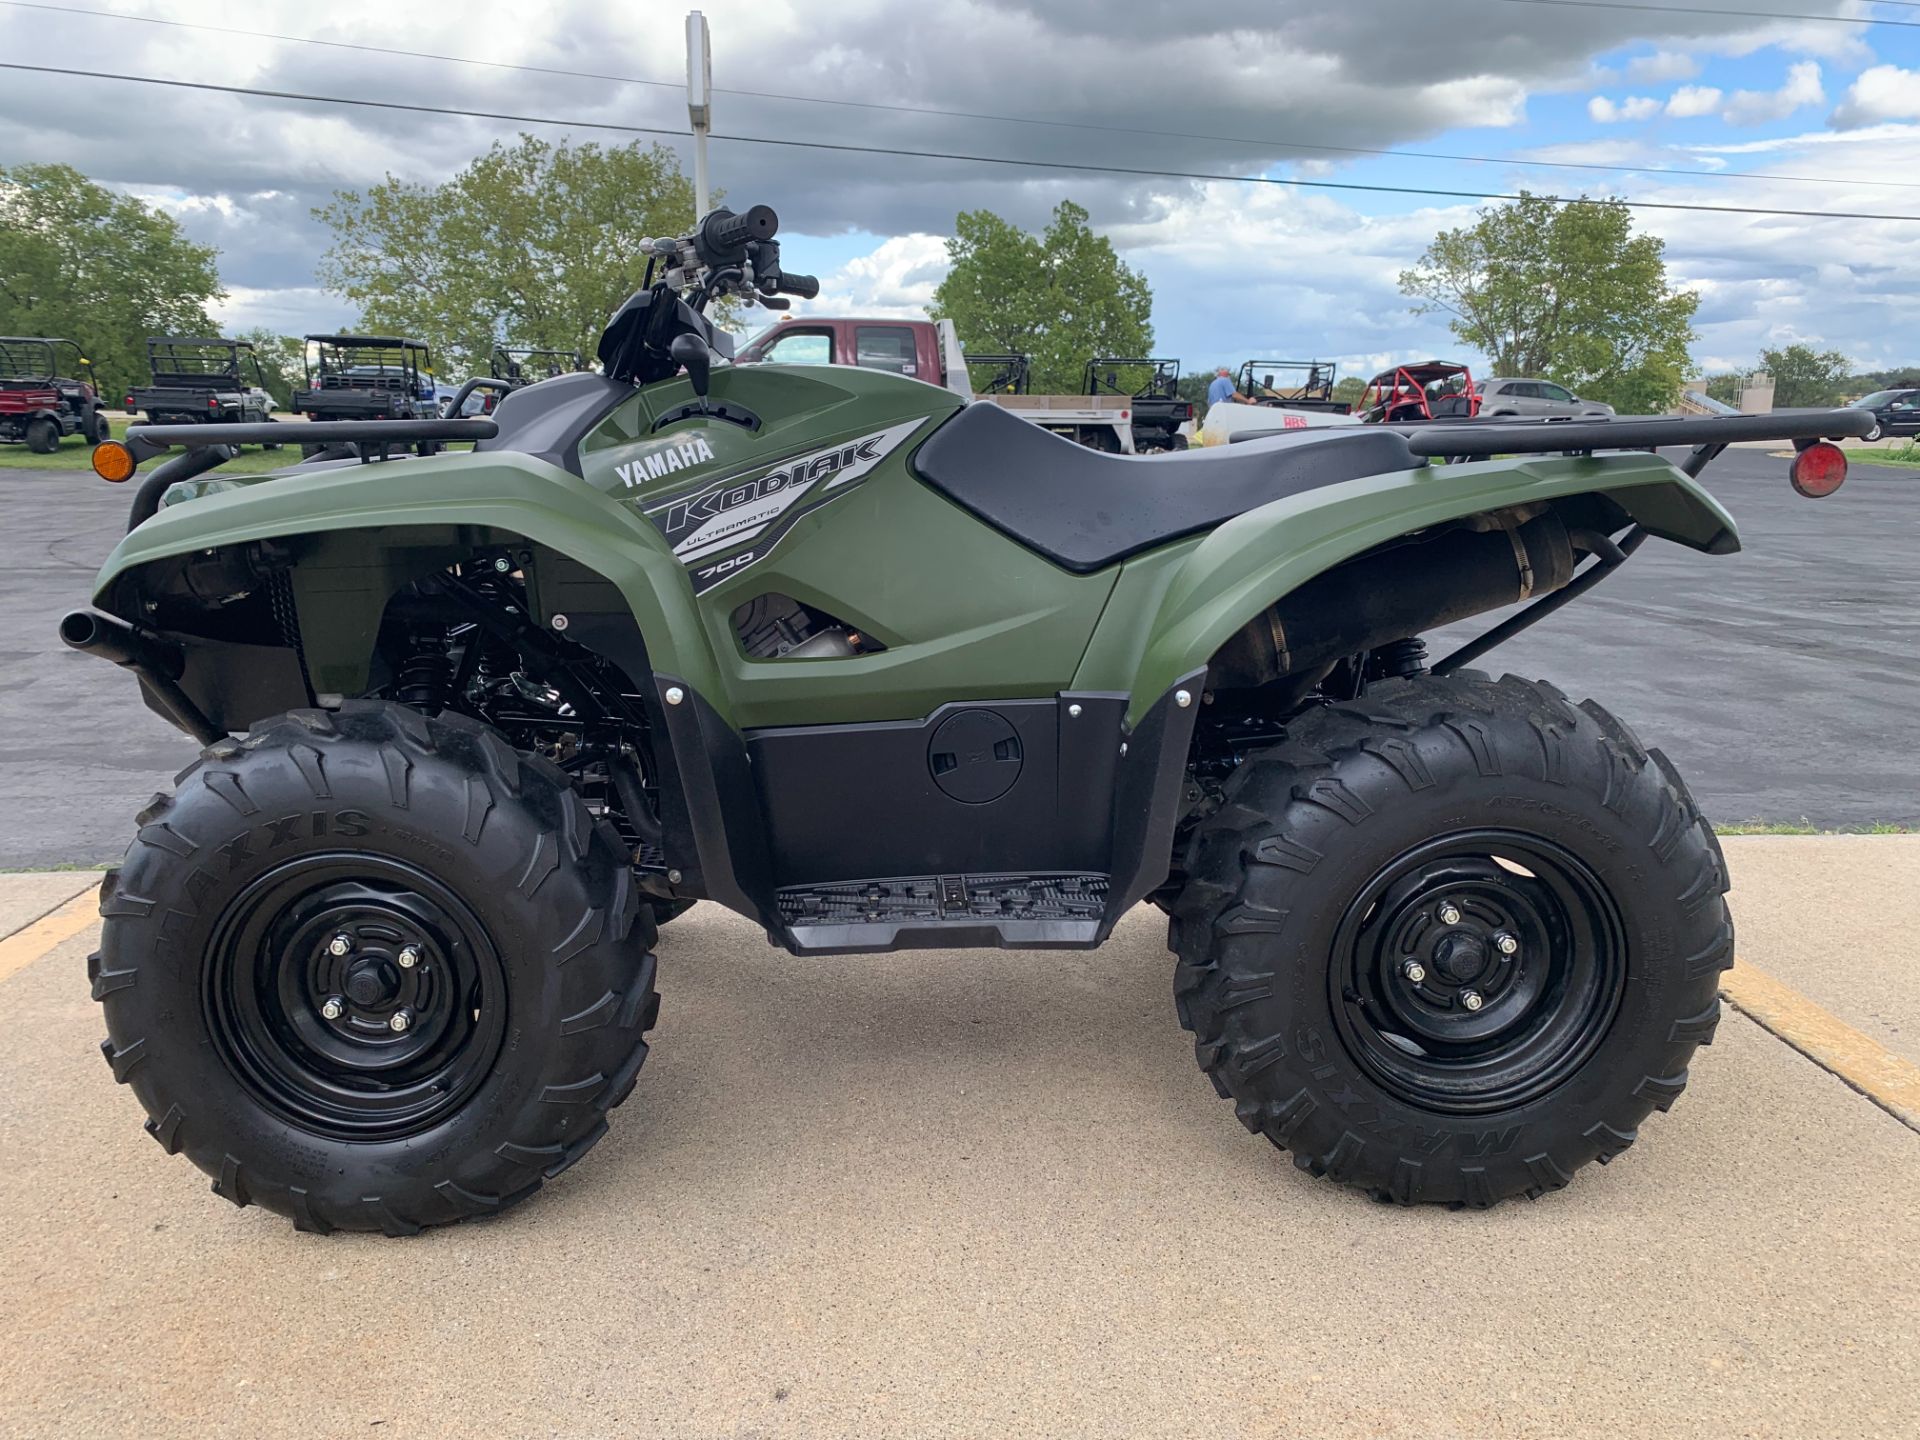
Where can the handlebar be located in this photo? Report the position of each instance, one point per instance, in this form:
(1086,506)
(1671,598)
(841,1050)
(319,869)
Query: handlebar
(723,236)
(804,286)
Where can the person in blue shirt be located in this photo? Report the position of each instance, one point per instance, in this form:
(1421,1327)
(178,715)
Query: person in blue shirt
(1222,388)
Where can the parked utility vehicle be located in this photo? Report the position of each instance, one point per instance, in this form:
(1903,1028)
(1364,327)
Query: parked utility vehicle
(879,668)
(1161,419)
(1292,384)
(201,381)
(1422,390)
(39,406)
(366,377)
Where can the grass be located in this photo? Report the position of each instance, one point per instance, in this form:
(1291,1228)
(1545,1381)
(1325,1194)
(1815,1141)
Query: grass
(76,454)
(1901,456)
(1804,827)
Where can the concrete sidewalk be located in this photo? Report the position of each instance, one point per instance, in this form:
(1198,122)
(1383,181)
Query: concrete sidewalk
(989,1194)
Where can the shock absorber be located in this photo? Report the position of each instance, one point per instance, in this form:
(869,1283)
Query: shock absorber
(1398,659)
(426,680)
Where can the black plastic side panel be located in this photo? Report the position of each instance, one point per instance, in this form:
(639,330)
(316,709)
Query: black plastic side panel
(1147,806)
(708,806)
(850,802)
(550,419)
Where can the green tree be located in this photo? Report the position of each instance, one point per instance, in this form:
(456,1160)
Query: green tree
(1348,389)
(1566,292)
(1062,296)
(81,262)
(1803,376)
(281,361)
(533,244)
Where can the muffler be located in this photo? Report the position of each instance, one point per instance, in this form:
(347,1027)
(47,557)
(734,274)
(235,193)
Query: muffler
(158,663)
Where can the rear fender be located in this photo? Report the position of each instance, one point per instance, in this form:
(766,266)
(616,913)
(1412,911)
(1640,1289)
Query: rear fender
(1189,602)
(357,533)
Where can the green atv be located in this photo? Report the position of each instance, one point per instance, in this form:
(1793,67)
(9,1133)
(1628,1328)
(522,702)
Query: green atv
(881,669)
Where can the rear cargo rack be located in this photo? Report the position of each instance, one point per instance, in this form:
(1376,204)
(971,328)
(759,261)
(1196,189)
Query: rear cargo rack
(1465,439)
(1547,435)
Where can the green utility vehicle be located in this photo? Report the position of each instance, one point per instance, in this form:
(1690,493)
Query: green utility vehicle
(879,668)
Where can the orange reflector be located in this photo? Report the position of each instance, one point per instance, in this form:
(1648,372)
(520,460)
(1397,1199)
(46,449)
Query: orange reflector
(112,461)
(1818,470)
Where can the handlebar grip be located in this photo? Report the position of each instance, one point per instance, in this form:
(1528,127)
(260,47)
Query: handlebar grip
(805,286)
(726,234)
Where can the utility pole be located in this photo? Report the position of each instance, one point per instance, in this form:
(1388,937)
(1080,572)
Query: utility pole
(699,103)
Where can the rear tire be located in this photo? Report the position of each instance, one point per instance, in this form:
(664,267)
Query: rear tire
(1329,992)
(279,1064)
(1873,434)
(43,436)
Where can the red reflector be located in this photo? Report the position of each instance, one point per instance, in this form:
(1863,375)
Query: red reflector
(1818,470)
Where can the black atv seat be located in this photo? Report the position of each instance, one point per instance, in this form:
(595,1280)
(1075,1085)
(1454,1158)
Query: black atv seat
(1084,510)
(549,420)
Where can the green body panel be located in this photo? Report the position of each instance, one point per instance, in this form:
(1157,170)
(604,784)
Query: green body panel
(963,611)
(1181,609)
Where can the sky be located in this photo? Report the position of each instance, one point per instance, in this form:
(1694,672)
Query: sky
(1818,114)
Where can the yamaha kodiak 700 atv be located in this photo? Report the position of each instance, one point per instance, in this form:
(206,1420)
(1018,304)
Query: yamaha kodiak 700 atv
(878,669)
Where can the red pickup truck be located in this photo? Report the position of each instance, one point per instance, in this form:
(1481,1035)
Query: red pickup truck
(929,350)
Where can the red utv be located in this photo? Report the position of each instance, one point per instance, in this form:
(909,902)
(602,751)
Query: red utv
(1425,390)
(40,407)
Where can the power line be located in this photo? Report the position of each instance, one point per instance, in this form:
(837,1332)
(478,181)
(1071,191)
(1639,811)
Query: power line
(849,149)
(1310,146)
(1749,15)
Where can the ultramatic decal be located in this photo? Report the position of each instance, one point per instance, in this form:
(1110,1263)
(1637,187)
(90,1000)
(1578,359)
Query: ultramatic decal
(739,509)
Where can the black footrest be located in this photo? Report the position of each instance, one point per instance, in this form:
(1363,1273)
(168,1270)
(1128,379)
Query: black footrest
(925,911)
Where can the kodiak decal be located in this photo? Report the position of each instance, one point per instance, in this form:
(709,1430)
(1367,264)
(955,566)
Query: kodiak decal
(760,508)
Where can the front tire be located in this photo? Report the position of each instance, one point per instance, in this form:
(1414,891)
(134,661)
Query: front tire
(1453,941)
(374,971)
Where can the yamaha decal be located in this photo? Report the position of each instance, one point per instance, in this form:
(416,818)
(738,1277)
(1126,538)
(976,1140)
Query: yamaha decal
(734,511)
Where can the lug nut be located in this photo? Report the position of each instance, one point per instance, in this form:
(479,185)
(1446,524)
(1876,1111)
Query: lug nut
(339,945)
(1414,971)
(333,1007)
(1471,999)
(1506,944)
(408,957)
(401,1019)
(1449,914)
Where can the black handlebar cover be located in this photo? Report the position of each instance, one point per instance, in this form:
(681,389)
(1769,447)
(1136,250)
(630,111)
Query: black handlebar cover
(724,236)
(805,286)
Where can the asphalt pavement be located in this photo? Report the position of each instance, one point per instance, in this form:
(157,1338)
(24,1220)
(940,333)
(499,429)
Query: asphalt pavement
(1782,681)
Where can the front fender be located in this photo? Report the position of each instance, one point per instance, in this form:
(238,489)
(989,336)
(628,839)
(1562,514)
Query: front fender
(463,499)
(1209,591)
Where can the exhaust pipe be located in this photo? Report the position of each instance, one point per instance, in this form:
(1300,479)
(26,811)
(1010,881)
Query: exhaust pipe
(158,664)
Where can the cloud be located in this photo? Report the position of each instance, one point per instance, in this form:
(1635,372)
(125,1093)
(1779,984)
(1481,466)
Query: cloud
(897,278)
(1691,101)
(1886,92)
(1238,269)
(1756,107)
(1603,111)
(1661,66)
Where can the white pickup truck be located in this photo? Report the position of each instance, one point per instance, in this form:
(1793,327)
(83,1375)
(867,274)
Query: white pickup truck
(930,350)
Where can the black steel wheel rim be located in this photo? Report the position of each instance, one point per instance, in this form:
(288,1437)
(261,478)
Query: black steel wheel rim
(355,996)
(1478,971)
